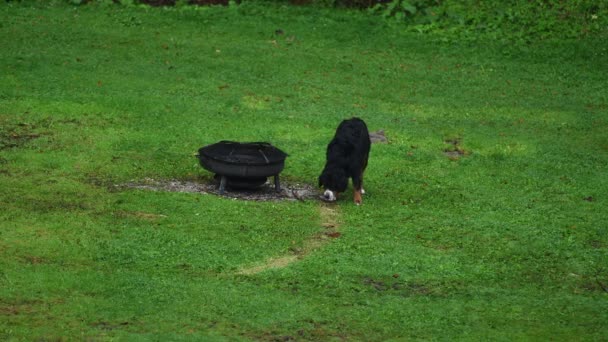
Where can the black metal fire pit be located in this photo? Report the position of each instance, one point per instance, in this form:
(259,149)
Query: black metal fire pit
(243,165)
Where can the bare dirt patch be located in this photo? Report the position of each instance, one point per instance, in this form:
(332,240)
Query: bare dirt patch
(277,262)
(19,307)
(33,260)
(378,137)
(454,150)
(17,135)
(102,325)
(289,190)
(394,286)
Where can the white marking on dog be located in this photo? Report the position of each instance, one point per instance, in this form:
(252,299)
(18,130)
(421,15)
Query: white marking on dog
(329,195)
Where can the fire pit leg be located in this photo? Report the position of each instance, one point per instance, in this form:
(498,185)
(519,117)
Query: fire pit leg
(277,184)
(222,185)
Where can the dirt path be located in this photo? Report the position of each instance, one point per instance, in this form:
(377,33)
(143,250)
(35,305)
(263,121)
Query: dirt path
(330,221)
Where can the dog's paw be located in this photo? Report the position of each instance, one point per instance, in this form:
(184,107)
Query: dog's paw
(358,200)
(362,191)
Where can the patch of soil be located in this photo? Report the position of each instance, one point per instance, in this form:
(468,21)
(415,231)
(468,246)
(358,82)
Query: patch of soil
(102,325)
(590,285)
(289,191)
(33,260)
(453,154)
(19,307)
(402,287)
(378,137)
(455,151)
(277,262)
(17,135)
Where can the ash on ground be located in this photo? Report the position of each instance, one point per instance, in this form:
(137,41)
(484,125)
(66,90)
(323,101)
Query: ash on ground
(289,191)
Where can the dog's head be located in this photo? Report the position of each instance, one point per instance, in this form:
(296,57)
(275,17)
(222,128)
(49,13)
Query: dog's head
(333,181)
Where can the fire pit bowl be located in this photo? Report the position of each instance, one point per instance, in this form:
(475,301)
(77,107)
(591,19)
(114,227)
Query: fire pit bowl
(243,165)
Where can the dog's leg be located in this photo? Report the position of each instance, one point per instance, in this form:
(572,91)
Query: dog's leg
(362,172)
(357,197)
(357,185)
(361,182)
(362,190)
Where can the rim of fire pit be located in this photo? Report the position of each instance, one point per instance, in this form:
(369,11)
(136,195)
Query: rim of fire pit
(247,153)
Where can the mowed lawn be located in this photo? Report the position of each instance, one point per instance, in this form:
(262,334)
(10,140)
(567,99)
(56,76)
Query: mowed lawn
(486,215)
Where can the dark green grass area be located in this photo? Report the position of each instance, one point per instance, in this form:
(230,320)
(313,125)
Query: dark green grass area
(485,217)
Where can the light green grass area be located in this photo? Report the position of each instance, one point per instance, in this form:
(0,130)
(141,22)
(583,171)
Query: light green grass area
(505,239)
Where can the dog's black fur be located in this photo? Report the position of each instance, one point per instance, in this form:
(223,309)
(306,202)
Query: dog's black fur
(347,155)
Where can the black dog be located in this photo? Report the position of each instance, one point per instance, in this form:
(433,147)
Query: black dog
(347,155)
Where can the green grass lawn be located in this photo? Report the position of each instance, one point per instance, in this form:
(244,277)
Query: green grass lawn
(506,238)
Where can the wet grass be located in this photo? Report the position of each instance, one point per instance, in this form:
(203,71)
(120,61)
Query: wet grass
(484,219)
